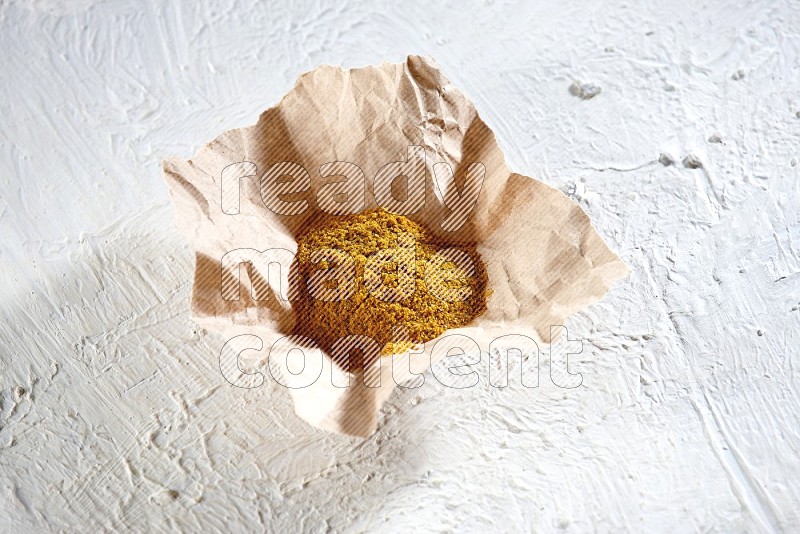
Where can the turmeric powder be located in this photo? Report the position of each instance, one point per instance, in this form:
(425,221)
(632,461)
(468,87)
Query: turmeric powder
(364,274)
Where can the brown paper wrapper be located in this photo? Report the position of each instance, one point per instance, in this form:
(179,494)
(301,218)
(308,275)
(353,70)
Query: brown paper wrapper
(543,258)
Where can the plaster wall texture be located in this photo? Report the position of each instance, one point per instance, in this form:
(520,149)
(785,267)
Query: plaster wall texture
(113,412)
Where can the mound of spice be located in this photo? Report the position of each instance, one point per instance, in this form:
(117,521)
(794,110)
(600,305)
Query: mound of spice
(365,274)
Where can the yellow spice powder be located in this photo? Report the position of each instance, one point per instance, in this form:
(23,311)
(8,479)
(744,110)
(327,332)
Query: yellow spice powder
(394,260)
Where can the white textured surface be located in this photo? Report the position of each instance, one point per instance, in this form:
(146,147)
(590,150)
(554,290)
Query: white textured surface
(114,413)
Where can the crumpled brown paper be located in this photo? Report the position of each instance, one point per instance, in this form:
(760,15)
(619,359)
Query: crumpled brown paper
(544,260)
